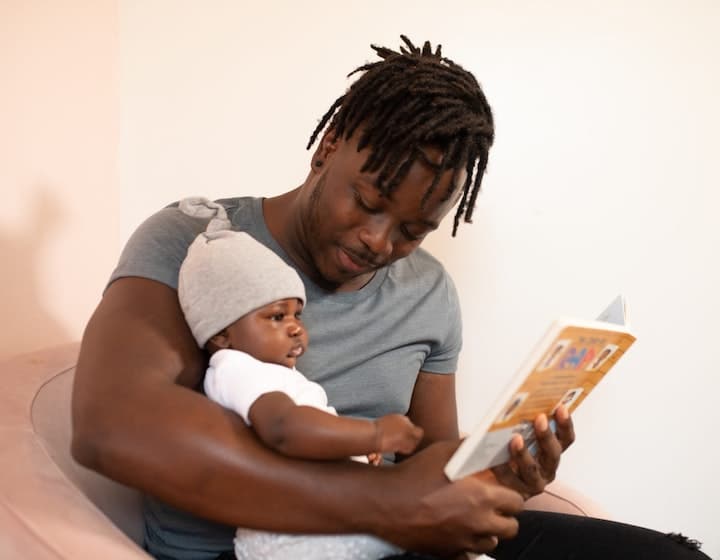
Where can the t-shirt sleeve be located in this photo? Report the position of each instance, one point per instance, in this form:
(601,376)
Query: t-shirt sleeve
(445,352)
(158,247)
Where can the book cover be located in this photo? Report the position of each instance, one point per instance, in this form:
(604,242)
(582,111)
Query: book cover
(563,369)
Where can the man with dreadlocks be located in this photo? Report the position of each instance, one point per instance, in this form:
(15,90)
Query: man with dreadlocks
(406,143)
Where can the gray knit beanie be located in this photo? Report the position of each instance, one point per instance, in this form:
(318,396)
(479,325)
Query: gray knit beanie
(227,274)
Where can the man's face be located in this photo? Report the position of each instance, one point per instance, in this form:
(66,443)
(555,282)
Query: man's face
(351,230)
(273,333)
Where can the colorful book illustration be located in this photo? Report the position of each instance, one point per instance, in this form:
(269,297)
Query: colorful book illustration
(565,366)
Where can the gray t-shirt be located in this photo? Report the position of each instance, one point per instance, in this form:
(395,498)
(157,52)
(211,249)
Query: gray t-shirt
(366,347)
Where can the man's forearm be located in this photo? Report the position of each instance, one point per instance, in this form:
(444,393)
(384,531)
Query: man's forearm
(177,445)
(137,420)
(203,459)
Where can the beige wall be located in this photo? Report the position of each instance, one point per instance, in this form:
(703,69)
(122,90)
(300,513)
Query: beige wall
(58,166)
(602,180)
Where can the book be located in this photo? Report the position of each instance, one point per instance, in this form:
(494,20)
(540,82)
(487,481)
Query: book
(563,368)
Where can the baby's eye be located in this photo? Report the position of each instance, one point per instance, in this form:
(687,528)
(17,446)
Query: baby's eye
(277,316)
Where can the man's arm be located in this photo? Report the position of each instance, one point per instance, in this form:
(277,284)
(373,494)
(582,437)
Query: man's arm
(434,408)
(137,420)
(310,433)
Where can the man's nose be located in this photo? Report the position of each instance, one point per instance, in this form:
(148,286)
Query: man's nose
(377,237)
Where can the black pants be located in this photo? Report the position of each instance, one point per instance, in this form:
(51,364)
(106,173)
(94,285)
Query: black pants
(554,536)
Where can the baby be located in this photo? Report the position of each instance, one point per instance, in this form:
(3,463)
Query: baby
(243,303)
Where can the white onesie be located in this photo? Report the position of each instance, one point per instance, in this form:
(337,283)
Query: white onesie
(235,380)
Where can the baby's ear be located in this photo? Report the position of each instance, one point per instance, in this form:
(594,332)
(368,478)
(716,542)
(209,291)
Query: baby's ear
(219,341)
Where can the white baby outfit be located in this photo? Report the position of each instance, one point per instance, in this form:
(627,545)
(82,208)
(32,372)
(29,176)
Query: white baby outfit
(235,380)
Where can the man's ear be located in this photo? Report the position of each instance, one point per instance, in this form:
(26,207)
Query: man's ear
(219,341)
(327,146)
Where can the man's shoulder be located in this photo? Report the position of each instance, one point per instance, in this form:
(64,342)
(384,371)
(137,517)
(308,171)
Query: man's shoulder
(158,246)
(171,221)
(239,209)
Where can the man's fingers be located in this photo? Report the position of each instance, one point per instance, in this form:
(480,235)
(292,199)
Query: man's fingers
(527,467)
(530,473)
(565,428)
(501,499)
(501,523)
(484,543)
(503,505)
(522,472)
(510,502)
(506,476)
(549,449)
(506,526)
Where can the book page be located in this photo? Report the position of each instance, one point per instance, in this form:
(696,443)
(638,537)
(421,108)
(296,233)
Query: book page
(615,313)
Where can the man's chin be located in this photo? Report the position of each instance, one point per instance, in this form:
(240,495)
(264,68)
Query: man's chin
(332,275)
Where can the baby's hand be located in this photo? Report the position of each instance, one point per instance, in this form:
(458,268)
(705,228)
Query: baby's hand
(396,433)
(375,459)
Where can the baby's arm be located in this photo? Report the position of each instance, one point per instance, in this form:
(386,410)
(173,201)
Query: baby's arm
(310,433)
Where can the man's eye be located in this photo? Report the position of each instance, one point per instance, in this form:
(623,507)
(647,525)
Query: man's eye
(362,204)
(409,236)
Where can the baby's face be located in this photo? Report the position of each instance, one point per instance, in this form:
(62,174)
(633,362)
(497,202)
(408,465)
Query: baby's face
(273,333)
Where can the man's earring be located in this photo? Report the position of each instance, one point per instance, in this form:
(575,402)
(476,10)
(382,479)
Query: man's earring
(318,163)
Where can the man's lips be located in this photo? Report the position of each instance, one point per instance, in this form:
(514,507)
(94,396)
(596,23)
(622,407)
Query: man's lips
(355,263)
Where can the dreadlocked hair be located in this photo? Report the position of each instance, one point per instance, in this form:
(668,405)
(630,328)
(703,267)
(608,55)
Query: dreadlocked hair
(410,100)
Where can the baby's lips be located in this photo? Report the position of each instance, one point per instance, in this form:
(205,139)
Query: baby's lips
(296,351)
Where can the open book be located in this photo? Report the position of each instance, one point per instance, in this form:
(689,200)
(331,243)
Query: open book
(570,359)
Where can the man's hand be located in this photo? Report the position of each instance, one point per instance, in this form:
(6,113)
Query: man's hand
(530,474)
(446,519)
(396,433)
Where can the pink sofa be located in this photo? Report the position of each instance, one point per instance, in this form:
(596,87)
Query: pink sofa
(52,508)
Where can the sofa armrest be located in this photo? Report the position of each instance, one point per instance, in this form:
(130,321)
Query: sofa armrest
(43,513)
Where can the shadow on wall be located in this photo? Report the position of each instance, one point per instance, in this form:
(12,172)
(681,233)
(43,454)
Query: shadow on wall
(26,324)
